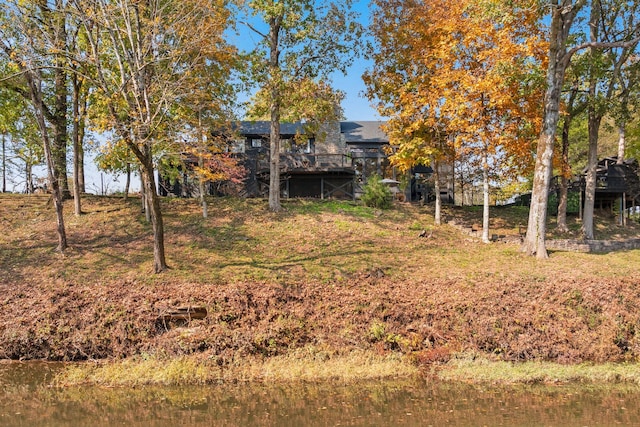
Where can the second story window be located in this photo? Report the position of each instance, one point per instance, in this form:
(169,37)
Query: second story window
(237,146)
(309,147)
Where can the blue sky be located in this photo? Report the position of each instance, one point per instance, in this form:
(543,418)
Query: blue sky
(356,106)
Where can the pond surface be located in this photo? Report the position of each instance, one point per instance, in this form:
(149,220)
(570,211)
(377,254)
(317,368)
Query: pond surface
(25,401)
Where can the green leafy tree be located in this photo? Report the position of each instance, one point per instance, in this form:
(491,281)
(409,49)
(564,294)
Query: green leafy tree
(33,39)
(116,157)
(19,132)
(12,108)
(144,54)
(620,23)
(626,102)
(27,147)
(563,14)
(300,44)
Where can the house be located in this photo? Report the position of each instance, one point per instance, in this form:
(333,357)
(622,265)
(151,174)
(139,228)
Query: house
(336,164)
(614,183)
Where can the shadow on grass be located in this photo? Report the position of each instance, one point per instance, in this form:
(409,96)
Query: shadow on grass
(293,262)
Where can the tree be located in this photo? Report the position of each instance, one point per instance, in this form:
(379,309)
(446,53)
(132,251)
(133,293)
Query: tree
(312,102)
(457,69)
(207,113)
(28,149)
(116,157)
(79,99)
(42,42)
(610,21)
(405,57)
(299,42)
(563,15)
(572,107)
(626,101)
(143,53)
(493,102)
(33,40)
(216,165)
(12,108)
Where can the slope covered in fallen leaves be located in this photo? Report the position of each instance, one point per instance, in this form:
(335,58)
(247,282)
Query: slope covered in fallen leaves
(329,277)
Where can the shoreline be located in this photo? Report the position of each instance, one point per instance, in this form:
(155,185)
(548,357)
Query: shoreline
(343,369)
(318,281)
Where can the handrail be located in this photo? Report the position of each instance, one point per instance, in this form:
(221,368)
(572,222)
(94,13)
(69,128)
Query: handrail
(309,161)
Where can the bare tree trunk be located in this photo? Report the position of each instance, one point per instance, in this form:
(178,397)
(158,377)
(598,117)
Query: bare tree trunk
(535,239)
(29,177)
(622,142)
(201,186)
(203,201)
(590,185)
(594,120)
(159,260)
(274,160)
(462,186)
(561,21)
(563,199)
(144,195)
(436,188)
(127,183)
(274,134)
(76,145)
(59,119)
(4,163)
(36,96)
(81,134)
(563,196)
(58,204)
(485,198)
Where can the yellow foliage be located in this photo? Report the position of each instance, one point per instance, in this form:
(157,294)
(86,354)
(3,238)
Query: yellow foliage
(468,78)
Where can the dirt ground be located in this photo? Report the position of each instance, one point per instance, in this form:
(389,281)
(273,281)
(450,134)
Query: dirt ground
(327,276)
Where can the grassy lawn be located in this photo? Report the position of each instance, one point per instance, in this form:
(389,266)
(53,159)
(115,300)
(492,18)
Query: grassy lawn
(321,277)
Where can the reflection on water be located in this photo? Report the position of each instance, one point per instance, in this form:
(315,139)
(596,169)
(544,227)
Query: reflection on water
(24,401)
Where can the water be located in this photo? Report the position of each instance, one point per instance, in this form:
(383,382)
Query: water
(25,401)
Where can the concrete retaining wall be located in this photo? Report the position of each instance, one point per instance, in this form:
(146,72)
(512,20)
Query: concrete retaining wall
(593,245)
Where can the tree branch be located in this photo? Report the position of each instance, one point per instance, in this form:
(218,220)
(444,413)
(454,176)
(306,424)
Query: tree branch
(598,45)
(254,29)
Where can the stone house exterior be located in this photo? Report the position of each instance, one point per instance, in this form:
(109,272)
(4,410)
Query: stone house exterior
(334,164)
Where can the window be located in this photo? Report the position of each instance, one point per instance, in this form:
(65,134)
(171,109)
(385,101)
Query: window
(309,147)
(237,146)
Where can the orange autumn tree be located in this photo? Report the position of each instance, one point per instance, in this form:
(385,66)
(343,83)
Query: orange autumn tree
(405,55)
(458,77)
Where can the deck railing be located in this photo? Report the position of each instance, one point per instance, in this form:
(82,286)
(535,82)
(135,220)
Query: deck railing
(309,162)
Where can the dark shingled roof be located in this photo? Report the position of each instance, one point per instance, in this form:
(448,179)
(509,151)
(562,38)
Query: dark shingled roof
(370,131)
(354,132)
(263,128)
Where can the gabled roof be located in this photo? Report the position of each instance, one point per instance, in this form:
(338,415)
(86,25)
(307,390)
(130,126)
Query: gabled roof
(367,131)
(354,132)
